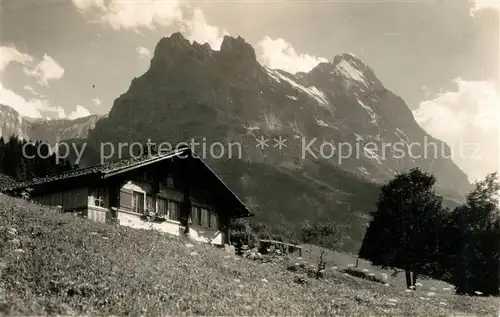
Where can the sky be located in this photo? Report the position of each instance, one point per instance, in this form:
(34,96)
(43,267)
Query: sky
(75,57)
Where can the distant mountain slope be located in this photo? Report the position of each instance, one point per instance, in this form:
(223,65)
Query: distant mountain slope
(191,91)
(12,123)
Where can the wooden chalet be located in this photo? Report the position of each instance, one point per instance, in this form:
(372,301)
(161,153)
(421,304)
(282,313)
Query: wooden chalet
(174,192)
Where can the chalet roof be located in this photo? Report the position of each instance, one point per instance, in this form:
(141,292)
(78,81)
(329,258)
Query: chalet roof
(104,168)
(112,168)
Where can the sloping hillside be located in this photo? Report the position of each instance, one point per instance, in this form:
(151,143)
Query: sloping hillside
(61,265)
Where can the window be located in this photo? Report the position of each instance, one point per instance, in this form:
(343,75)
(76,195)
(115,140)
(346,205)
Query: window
(169,180)
(99,197)
(195,216)
(214,221)
(174,210)
(204,217)
(150,203)
(99,202)
(138,202)
(162,207)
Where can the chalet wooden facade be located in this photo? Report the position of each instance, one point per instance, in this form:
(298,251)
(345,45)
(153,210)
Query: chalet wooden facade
(175,193)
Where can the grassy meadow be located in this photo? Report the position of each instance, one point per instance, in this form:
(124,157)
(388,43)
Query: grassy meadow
(58,264)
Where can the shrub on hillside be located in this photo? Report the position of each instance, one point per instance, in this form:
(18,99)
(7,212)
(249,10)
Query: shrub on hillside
(241,233)
(363,275)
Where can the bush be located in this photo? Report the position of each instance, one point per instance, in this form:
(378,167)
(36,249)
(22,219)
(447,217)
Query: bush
(363,275)
(241,233)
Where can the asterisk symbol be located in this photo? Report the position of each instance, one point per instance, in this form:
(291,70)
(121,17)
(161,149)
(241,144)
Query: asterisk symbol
(262,142)
(280,143)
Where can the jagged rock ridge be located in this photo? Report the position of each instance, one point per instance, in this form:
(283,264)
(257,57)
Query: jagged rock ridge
(12,123)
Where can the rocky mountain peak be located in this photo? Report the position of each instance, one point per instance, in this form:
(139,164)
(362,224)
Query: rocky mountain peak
(174,42)
(170,50)
(352,68)
(177,55)
(237,47)
(345,72)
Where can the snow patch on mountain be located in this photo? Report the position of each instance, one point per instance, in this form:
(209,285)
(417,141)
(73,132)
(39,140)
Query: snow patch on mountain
(363,170)
(321,123)
(312,91)
(252,127)
(372,155)
(349,71)
(402,136)
(370,111)
(359,137)
(272,122)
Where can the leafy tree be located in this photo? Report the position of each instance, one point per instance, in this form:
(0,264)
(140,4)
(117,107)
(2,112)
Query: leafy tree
(325,234)
(474,253)
(404,229)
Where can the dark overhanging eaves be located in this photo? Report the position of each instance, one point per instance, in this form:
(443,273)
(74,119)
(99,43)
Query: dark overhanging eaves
(144,163)
(246,212)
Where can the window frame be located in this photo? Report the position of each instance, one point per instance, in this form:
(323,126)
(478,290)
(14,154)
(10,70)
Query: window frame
(196,215)
(170,211)
(162,201)
(150,199)
(212,214)
(204,217)
(198,219)
(170,180)
(98,202)
(135,202)
(99,196)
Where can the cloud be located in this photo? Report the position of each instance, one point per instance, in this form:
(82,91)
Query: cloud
(47,69)
(150,14)
(32,91)
(10,54)
(132,15)
(200,31)
(484,4)
(79,112)
(97,101)
(144,52)
(84,5)
(466,118)
(25,107)
(281,55)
